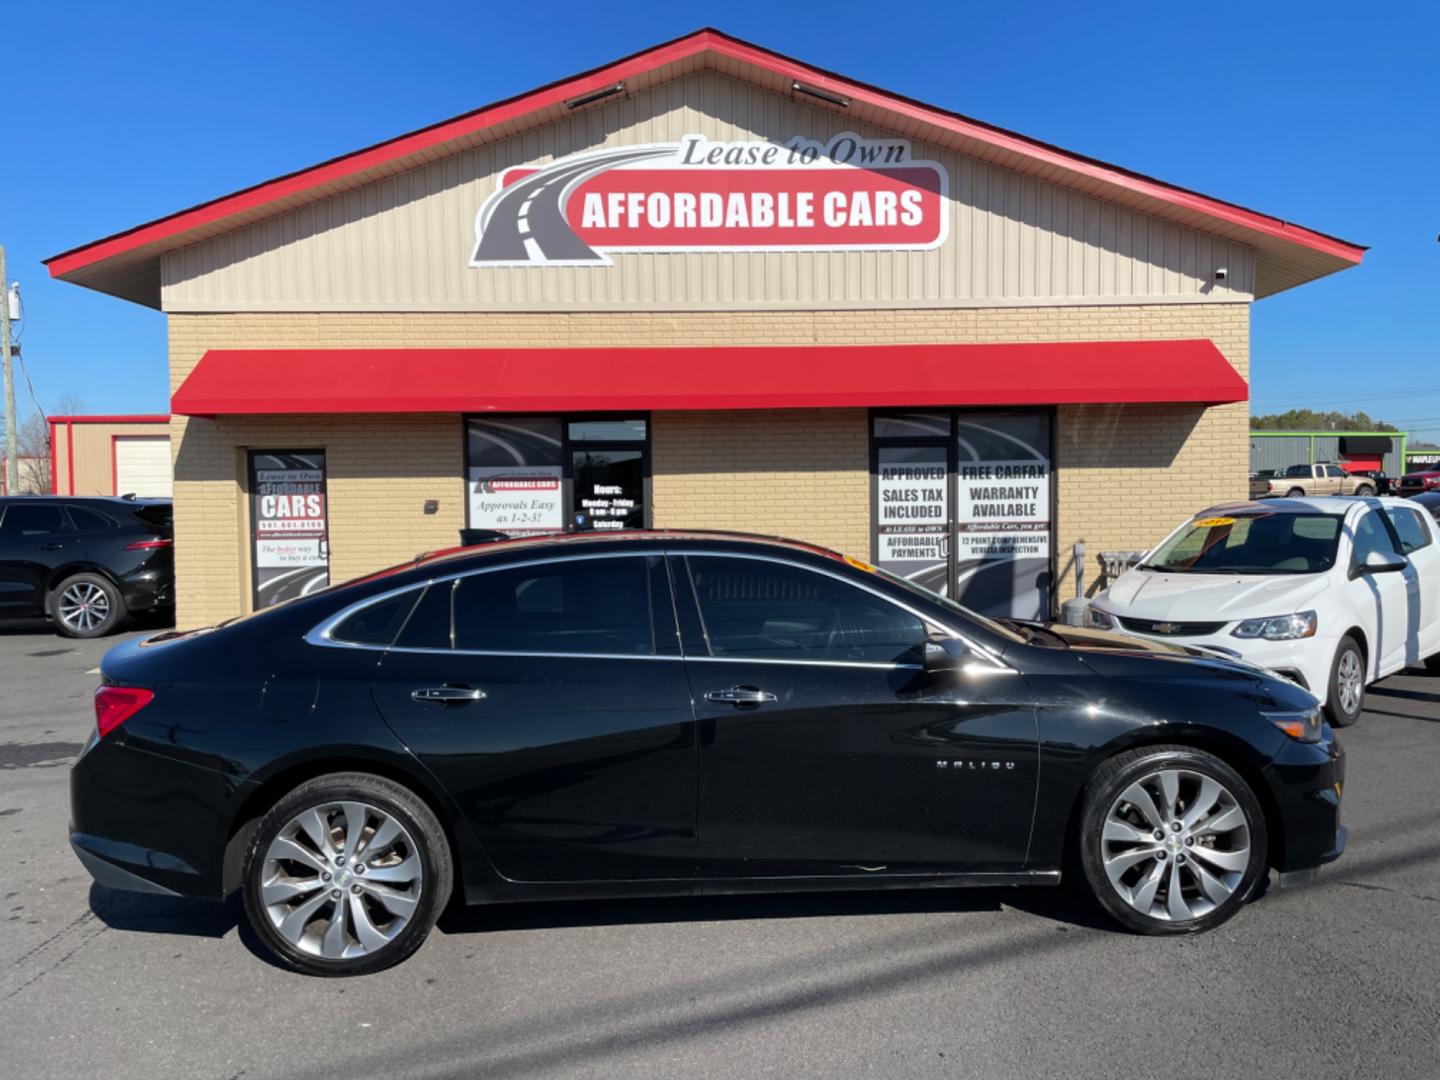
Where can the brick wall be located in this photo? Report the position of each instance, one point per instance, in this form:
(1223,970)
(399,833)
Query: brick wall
(1126,473)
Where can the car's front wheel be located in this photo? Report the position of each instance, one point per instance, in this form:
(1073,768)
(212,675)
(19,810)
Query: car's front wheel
(1345,699)
(86,606)
(346,875)
(1172,840)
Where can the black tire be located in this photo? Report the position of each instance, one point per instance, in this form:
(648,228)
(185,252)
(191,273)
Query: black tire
(1106,787)
(1295,493)
(1364,491)
(73,618)
(430,845)
(1335,711)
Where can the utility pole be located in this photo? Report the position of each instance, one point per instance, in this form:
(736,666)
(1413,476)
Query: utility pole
(12,465)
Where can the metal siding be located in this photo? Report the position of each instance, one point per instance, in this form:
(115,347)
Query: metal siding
(1327,448)
(403,242)
(1278,452)
(94,464)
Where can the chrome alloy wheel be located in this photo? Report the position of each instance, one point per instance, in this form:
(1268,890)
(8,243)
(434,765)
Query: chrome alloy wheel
(1175,845)
(341,880)
(83,606)
(1350,681)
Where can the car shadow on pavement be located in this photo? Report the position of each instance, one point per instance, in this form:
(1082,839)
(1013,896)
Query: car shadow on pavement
(154,914)
(1056,904)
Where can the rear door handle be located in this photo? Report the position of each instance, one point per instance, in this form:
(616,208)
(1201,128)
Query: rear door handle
(740,695)
(444,694)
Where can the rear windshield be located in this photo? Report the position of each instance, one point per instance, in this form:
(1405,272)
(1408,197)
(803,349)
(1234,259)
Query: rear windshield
(161,515)
(1299,470)
(1251,543)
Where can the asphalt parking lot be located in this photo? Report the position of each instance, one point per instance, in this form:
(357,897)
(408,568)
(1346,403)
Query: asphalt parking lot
(1337,979)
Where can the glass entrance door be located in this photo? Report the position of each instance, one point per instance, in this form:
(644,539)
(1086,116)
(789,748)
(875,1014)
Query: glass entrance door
(963,505)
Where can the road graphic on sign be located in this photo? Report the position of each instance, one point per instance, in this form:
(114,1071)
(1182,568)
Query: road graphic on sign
(526,223)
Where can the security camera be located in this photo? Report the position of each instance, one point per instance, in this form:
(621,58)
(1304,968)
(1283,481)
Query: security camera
(1220,273)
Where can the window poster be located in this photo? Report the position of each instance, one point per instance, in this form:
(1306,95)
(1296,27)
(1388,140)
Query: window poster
(290,524)
(1003,513)
(913,514)
(516,475)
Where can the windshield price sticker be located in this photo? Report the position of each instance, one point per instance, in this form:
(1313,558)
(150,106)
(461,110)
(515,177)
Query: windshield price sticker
(1213,523)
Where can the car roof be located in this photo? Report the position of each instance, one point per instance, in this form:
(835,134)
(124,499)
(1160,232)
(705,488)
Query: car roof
(101,500)
(580,540)
(1310,504)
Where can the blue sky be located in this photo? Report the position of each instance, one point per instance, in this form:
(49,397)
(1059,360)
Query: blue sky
(1327,115)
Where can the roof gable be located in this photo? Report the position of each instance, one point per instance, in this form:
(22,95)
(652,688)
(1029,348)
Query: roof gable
(127,264)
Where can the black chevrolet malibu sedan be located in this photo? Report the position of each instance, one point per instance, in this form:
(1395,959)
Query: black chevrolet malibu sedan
(671,713)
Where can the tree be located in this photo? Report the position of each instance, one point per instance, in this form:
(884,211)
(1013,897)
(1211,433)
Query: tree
(32,444)
(1310,420)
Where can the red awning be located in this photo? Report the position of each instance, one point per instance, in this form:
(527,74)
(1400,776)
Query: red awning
(240,382)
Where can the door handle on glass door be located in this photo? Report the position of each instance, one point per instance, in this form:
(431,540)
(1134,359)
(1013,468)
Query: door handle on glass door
(447,694)
(740,695)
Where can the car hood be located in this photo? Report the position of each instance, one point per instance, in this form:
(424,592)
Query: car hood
(1110,654)
(1153,594)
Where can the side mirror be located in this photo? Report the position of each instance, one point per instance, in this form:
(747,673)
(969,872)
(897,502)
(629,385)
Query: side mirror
(945,654)
(1376,563)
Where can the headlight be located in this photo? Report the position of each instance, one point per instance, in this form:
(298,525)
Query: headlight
(1303,726)
(1278,627)
(1097,619)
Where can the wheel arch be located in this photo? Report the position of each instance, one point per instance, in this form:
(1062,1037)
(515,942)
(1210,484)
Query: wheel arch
(57,577)
(1214,742)
(284,779)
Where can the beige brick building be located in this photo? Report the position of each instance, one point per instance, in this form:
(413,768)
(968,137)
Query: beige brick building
(703,287)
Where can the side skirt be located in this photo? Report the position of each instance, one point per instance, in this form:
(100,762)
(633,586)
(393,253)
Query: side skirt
(524,891)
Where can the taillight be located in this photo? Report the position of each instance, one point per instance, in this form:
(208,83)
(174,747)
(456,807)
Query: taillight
(153,542)
(116,704)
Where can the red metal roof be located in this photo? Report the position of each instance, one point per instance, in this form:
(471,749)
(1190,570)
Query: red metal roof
(110,263)
(239,382)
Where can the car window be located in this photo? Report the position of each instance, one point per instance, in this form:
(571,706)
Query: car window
(89,520)
(1408,526)
(1256,542)
(763,609)
(429,624)
(1334,470)
(572,606)
(1299,470)
(1371,535)
(31,519)
(379,623)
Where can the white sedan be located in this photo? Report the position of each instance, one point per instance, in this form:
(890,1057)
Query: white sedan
(1331,592)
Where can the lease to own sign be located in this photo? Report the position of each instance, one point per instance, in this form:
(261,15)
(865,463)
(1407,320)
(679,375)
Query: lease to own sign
(846,194)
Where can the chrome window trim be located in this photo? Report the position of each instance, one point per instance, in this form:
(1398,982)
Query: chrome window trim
(323,633)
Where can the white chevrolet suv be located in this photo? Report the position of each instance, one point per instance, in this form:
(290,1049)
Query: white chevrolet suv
(1331,592)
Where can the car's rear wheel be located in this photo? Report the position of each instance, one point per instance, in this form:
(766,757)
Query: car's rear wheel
(1295,493)
(1345,700)
(1172,840)
(1364,491)
(346,875)
(86,606)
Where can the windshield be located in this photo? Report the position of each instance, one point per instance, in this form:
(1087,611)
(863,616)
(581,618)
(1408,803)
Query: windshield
(1251,543)
(1298,470)
(974,616)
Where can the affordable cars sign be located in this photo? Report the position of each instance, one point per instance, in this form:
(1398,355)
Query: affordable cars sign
(848,194)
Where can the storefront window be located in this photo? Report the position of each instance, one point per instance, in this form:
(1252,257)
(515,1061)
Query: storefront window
(539,474)
(290,537)
(962,505)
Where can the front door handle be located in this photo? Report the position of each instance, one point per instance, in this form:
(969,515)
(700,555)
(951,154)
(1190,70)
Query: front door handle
(52,547)
(740,695)
(447,694)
